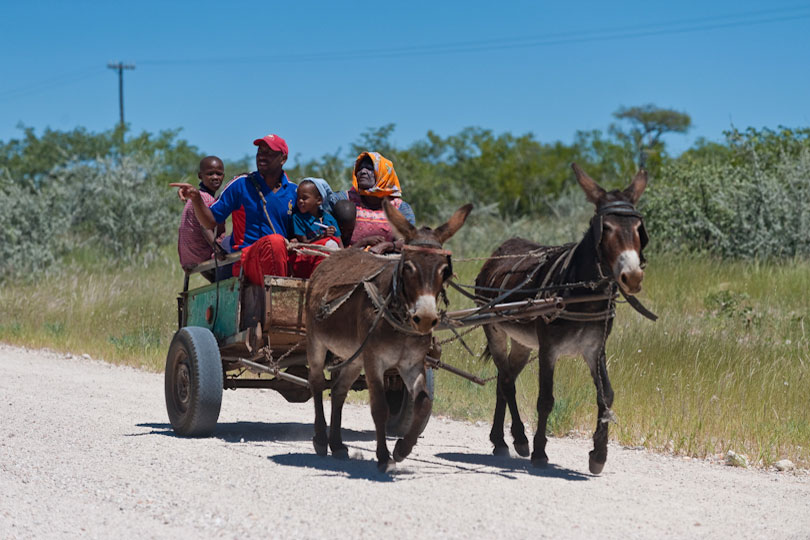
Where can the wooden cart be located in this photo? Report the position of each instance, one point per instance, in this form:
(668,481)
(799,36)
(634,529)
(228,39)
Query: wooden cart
(234,334)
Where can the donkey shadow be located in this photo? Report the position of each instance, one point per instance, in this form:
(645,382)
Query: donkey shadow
(258,432)
(506,465)
(356,468)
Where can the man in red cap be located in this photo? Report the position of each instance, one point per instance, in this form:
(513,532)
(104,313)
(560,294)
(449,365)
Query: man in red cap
(267,199)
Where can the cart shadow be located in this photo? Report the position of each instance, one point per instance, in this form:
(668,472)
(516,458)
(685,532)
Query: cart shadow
(260,432)
(515,465)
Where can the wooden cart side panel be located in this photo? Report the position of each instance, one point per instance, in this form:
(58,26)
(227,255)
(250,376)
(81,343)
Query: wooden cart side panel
(284,304)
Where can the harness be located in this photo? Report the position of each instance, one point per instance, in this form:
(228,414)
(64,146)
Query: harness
(391,307)
(561,257)
(623,208)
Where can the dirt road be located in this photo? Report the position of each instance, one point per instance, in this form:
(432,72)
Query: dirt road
(86,450)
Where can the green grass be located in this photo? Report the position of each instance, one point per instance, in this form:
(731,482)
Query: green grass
(725,367)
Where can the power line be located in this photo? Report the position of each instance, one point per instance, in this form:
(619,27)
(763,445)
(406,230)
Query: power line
(121,67)
(640,30)
(47,84)
(579,36)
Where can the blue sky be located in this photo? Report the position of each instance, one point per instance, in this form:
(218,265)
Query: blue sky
(320,73)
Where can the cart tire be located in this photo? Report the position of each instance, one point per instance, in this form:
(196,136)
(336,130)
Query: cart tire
(401,404)
(193,382)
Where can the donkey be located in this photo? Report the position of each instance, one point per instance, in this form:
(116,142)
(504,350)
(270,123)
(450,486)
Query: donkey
(377,314)
(608,256)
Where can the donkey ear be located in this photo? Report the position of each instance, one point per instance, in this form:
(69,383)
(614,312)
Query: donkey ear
(637,186)
(398,221)
(444,232)
(592,190)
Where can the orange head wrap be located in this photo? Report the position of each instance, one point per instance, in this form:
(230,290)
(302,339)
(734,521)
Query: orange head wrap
(387,181)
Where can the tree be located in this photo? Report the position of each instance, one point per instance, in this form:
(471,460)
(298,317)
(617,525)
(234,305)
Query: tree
(648,124)
(31,159)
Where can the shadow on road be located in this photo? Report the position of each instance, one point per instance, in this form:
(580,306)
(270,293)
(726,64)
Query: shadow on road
(259,432)
(357,469)
(511,465)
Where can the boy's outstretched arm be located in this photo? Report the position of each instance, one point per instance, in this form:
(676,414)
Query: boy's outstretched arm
(203,213)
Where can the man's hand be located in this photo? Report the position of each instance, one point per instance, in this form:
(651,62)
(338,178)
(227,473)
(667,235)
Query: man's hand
(382,247)
(330,230)
(370,241)
(185,191)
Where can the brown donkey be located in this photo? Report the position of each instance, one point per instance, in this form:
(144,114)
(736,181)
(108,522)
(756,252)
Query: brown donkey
(609,255)
(377,314)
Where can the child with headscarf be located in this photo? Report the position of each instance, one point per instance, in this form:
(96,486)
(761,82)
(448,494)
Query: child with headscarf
(312,224)
(311,221)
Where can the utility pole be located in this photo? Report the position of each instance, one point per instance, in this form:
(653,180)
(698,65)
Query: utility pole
(120,66)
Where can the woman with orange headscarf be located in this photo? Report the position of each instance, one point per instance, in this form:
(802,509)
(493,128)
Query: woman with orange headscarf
(374,179)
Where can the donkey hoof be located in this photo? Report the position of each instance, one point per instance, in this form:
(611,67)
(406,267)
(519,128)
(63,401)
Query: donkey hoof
(540,462)
(320,448)
(340,452)
(539,459)
(594,466)
(523,449)
(399,452)
(386,466)
(501,451)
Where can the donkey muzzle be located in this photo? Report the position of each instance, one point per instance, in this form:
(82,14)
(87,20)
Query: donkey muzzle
(424,314)
(628,272)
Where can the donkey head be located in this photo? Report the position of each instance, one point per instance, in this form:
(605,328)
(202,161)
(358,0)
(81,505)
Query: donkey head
(618,228)
(424,265)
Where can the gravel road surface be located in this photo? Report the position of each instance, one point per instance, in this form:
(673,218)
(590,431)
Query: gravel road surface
(86,451)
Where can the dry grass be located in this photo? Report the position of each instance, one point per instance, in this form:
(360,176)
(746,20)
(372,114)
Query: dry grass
(124,314)
(726,367)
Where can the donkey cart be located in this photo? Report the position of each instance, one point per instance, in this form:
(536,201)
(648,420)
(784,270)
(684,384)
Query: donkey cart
(234,334)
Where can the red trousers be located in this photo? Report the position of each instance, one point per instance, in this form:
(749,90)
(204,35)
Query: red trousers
(303,265)
(266,256)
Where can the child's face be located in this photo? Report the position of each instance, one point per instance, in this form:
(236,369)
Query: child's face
(308,199)
(211,173)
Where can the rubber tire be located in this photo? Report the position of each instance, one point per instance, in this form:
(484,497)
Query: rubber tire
(193,382)
(399,419)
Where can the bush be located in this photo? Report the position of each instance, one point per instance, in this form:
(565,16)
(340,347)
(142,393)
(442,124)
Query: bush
(752,205)
(33,225)
(117,207)
(112,205)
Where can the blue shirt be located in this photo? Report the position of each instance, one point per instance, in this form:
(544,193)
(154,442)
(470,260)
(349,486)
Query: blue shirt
(304,224)
(242,193)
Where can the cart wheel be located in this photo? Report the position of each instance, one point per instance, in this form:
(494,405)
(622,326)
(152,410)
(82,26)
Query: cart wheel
(193,382)
(400,408)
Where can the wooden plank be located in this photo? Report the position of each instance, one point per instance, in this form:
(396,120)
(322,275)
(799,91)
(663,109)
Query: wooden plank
(210,265)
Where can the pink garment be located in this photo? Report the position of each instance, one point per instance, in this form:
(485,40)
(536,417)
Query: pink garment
(371,222)
(191,244)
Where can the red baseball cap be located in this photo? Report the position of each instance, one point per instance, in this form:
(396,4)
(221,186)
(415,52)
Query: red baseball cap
(274,142)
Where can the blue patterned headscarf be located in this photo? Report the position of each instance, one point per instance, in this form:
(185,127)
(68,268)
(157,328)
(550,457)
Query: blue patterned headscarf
(324,190)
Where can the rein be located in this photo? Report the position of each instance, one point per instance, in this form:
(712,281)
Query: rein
(427,248)
(389,308)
